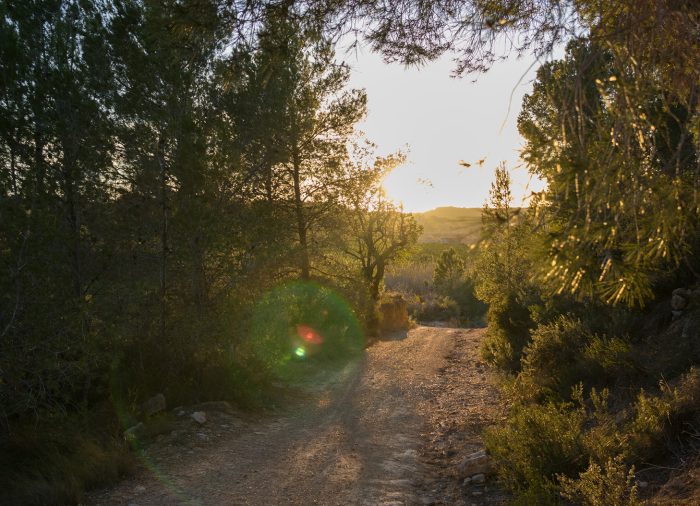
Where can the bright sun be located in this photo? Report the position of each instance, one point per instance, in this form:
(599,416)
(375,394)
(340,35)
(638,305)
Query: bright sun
(437,121)
(408,186)
(421,190)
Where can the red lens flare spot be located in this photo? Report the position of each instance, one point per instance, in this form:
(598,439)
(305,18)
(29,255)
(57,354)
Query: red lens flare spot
(309,335)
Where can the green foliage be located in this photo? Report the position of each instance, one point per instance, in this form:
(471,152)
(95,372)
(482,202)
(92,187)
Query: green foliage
(605,136)
(451,279)
(611,485)
(436,308)
(160,173)
(376,232)
(659,418)
(298,119)
(565,352)
(165,165)
(437,281)
(613,130)
(449,271)
(537,443)
(503,281)
(616,226)
(543,449)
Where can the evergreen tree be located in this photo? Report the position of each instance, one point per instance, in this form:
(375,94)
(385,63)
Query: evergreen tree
(621,167)
(302,119)
(56,153)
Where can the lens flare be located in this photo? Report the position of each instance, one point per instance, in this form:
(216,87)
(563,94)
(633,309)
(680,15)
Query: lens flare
(301,320)
(309,335)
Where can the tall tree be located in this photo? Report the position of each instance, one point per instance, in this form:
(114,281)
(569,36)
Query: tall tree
(56,149)
(174,198)
(303,119)
(502,271)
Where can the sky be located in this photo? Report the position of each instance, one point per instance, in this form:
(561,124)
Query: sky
(442,120)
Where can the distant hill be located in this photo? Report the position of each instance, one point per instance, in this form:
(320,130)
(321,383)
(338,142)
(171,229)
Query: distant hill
(460,225)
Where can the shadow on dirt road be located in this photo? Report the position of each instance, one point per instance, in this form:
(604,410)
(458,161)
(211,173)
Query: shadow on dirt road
(358,436)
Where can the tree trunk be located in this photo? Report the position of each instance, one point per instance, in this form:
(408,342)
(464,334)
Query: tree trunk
(268,182)
(304,265)
(376,284)
(163,232)
(13,168)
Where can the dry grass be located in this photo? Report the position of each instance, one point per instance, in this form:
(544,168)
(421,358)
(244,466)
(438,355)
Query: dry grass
(414,278)
(46,465)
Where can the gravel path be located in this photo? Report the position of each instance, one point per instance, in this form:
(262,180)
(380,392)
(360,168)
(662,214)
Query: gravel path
(386,430)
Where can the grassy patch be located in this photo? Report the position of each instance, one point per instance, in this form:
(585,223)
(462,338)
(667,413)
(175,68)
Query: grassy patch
(56,462)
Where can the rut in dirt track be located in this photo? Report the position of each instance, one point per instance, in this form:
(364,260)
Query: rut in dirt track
(355,440)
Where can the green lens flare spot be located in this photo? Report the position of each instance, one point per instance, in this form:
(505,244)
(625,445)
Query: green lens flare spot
(300,324)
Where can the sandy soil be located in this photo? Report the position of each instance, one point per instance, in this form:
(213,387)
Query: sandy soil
(386,430)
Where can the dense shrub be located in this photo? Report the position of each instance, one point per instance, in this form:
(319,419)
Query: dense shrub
(585,449)
(537,443)
(453,278)
(565,352)
(449,271)
(508,332)
(659,419)
(610,485)
(502,272)
(435,308)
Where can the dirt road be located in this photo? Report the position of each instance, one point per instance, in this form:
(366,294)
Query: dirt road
(385,430)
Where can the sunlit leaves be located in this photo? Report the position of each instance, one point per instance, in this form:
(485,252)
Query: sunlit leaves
(621,168)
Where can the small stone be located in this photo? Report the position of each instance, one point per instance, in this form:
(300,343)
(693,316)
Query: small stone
(678,302)
(200,417)
(139,489)
(479,478)
(476,463)
(683,292)
(466,481)
(135,432)
(477,493)
(154,405)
